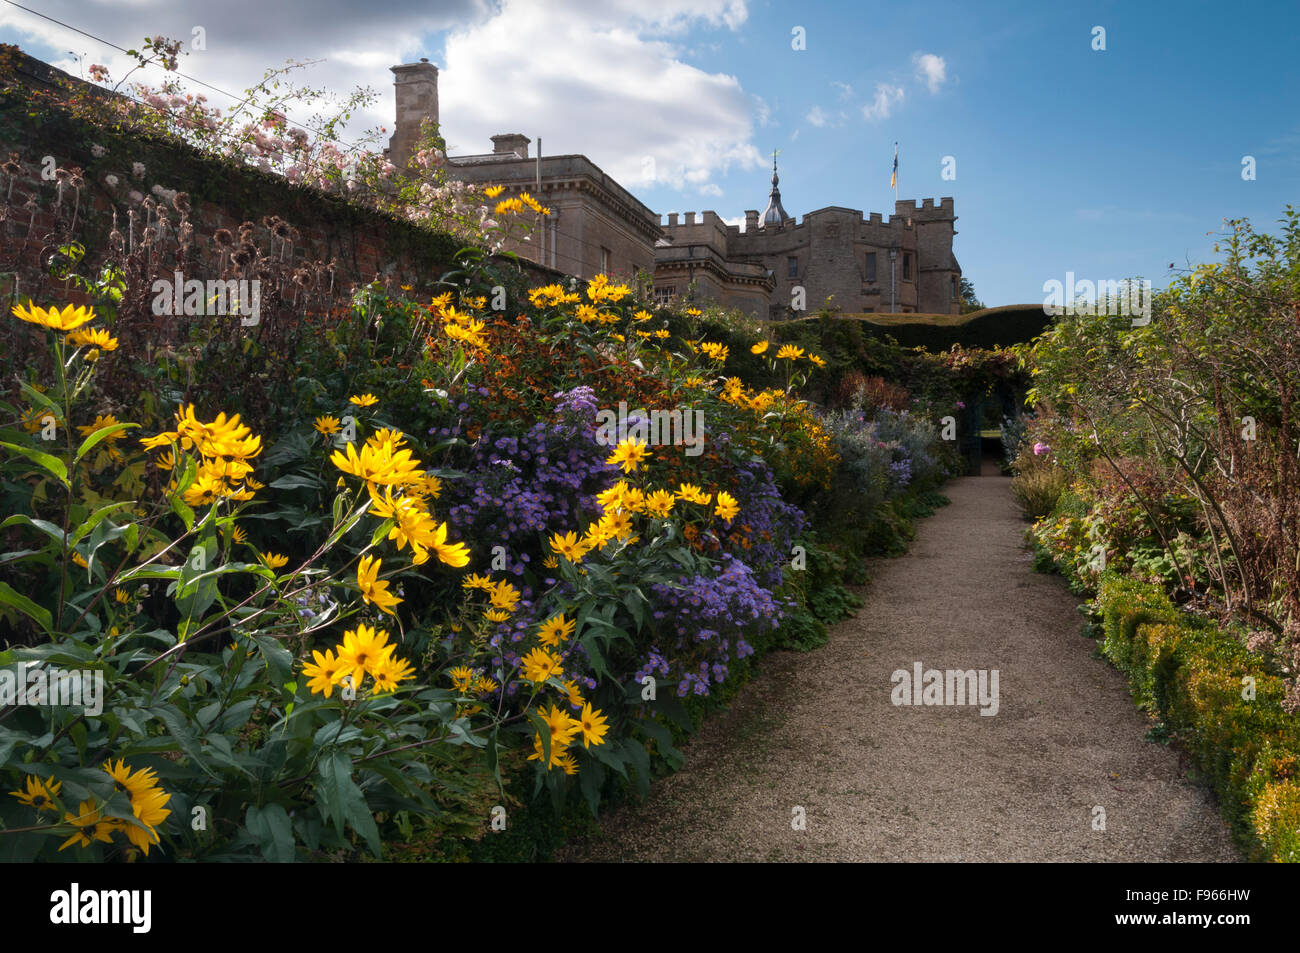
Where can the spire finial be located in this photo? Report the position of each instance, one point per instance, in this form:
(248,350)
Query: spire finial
(774,214)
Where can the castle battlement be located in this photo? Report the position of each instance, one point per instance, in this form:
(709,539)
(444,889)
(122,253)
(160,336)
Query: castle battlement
(909,206)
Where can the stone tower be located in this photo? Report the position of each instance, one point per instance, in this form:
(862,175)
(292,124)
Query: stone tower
(417,99)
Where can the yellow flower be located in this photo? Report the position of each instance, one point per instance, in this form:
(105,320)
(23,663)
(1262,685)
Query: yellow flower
(80,560)
(727,507)
(373,589)
(378,464)
(568,546)
(461,678)
(593,726)
(817,360)
(69,319)
(275,560)
(716,351)
(539,665)
(759,348)
(475,581)
(789,351)
(550,562)
(663,334)
(616,525)
(497,615)
(493,191)
(388,672)
(562,727)
(693,494)
(575,694)
(484,685)
(326,672)
(694,312)
(327,425)
(89,826)
(427,485)
(148,803)
(660,503)
(166,461)
(95,337)
(508,206)
(628,455)
(642,315)
(505,596)
(555,630)
(102,421)
(362,651)
(39,794)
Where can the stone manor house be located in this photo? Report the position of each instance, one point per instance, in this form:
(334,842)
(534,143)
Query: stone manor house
(904,265)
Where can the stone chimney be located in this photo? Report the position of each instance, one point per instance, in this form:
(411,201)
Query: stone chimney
(509,142)
(417,99)
(751,220)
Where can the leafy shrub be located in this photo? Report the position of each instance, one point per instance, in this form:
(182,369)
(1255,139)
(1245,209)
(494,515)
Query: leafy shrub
(1219,700)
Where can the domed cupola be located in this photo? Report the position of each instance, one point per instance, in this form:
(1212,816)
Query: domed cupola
(774,215)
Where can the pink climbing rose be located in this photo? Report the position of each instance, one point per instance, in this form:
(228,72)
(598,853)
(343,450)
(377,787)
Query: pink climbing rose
(1041,448)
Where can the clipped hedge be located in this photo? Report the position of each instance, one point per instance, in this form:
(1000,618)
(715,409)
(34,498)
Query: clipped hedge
(1192,675)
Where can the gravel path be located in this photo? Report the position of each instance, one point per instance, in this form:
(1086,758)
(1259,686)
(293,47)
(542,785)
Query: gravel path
(879,782)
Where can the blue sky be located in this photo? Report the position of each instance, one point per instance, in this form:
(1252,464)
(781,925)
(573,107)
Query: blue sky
(1110,164)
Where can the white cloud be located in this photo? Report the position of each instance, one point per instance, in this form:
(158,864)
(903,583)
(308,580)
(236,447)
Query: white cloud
(762,110)
(887,97)
(931,70)
(710,188)
(597,81)
(845,89)
(817,117)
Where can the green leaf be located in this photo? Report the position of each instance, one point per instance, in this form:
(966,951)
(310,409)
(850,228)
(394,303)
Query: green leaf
(273,831)
(53,464)
(664,738)
(101,434)
(343,801)
(39,614)
(296,480)
(591,779)
(93,520)
(640,759)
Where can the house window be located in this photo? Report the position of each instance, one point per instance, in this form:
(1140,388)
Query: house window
(792,263)
(870,274)
(604,260)
(907,266)
(664,294)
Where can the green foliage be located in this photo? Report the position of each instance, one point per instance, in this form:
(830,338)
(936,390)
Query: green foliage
(1223,703)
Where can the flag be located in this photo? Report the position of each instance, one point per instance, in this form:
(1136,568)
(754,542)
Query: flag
(893,176)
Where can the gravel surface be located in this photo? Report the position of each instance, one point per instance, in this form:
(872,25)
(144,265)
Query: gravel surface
(880,782)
